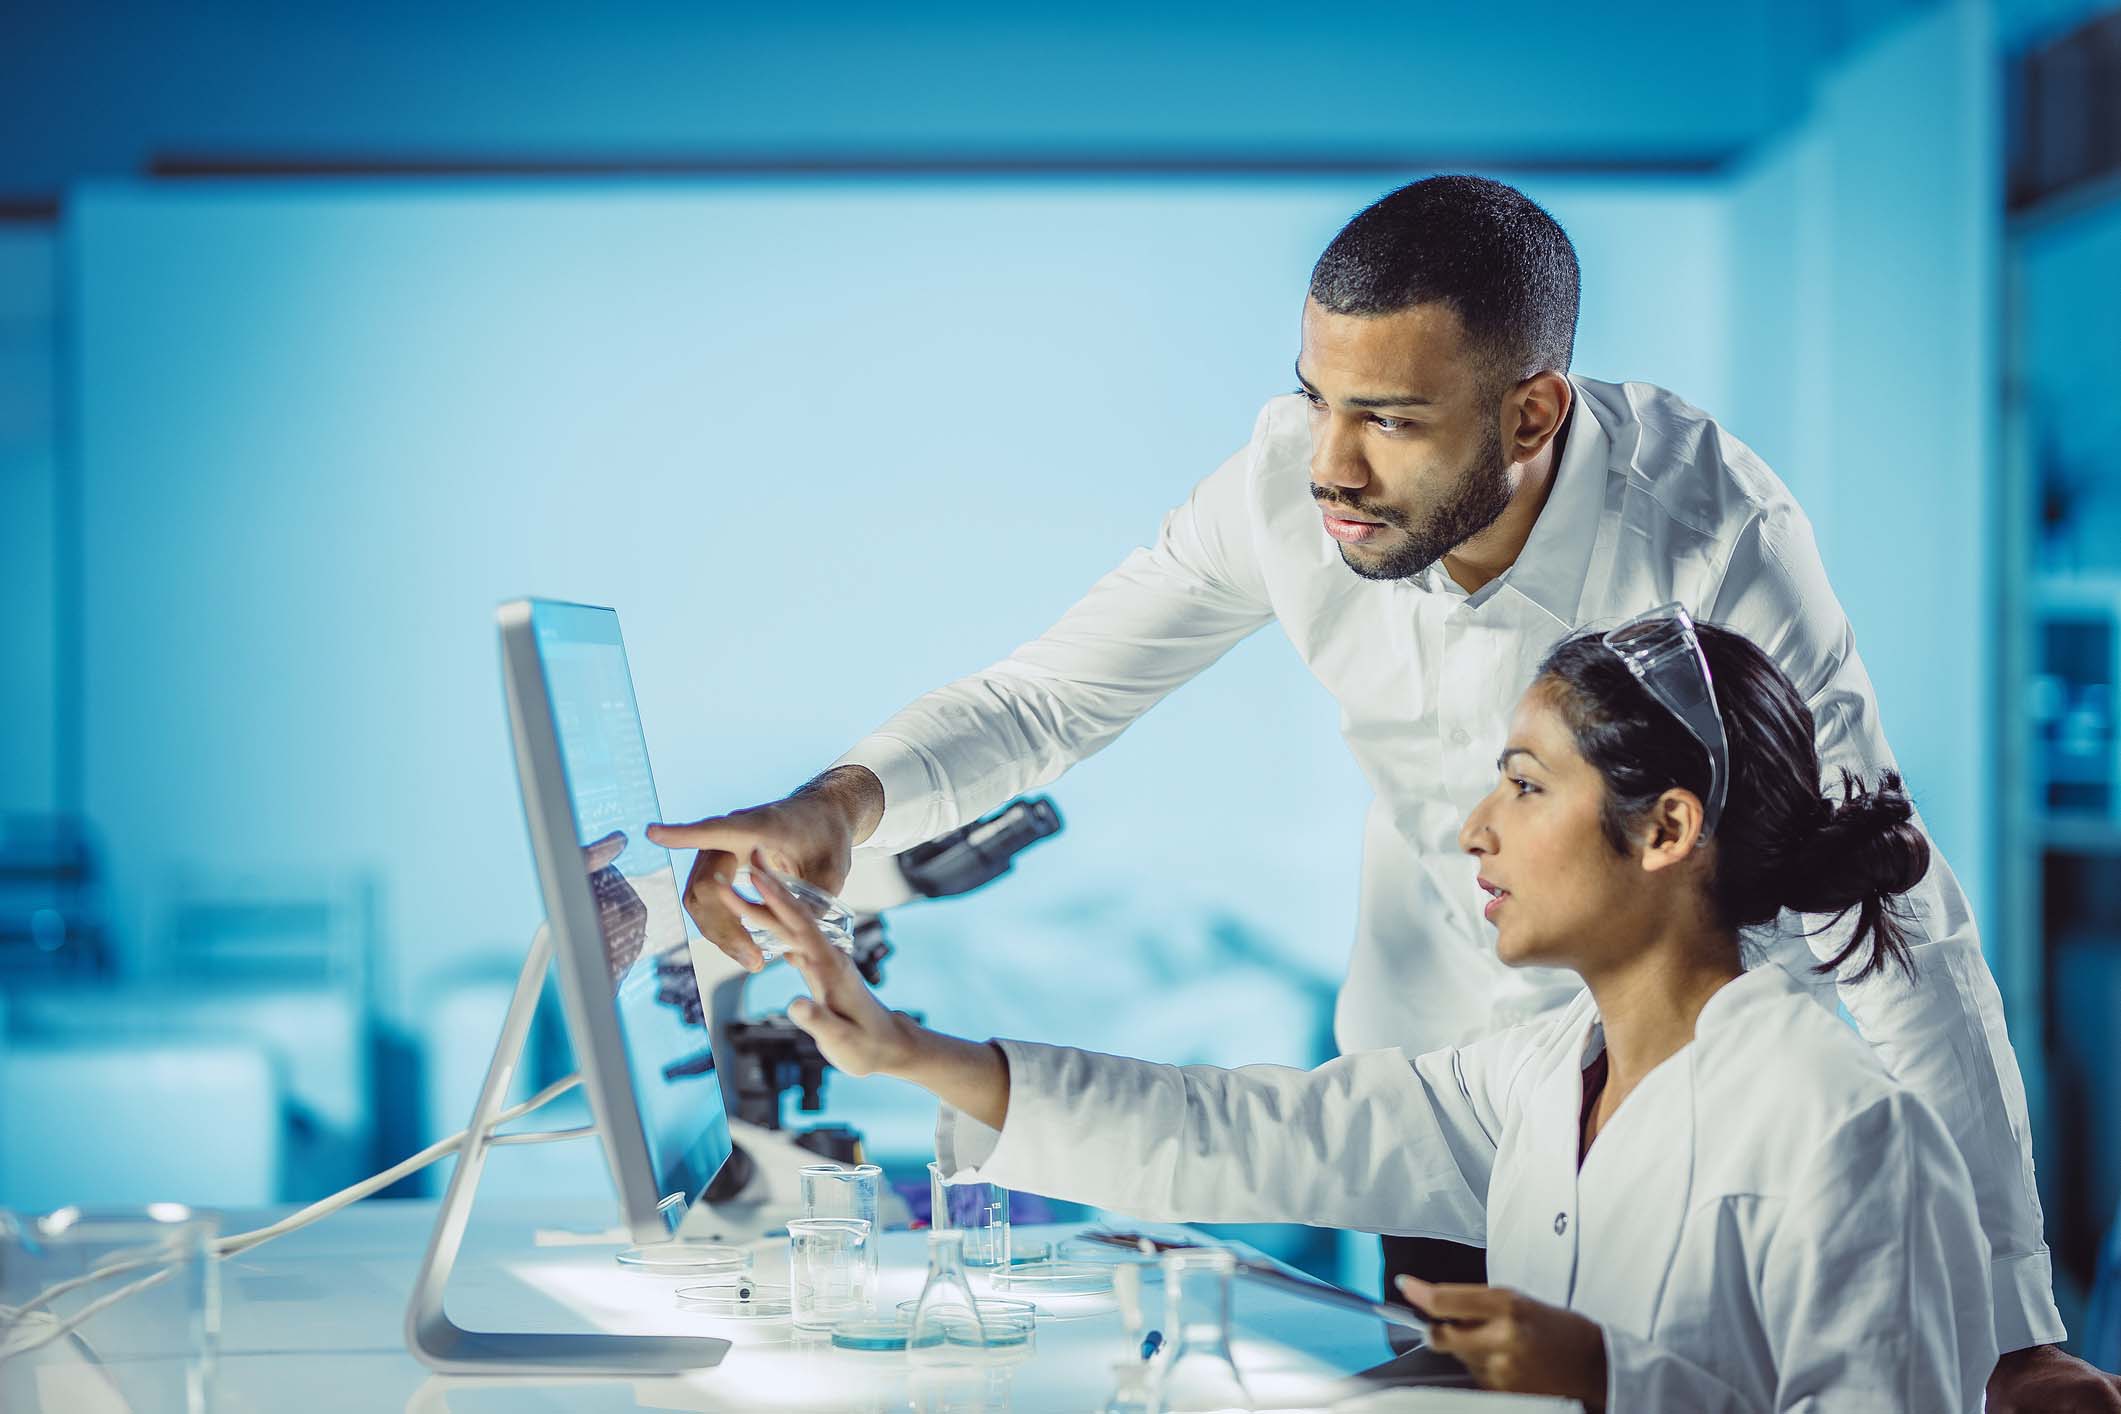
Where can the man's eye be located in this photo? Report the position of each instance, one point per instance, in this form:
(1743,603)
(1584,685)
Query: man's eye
(1310,397)
(1524,787)
(1390,424)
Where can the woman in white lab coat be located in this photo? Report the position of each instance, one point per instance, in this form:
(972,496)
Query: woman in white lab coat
(1699,1190)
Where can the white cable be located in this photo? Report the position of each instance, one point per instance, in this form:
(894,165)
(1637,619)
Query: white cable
(235,1243)
(440,1149)
(9,1352)
(117,1264)
(545,1136)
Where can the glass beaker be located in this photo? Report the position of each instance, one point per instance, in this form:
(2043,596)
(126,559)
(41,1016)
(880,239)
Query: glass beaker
(978,1209)
(1199,1372)
(946,1321)
(828,1271)
(119,1308)
(836,1191)
(834,919)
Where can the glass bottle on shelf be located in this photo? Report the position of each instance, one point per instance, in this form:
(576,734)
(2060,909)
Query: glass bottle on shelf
(1198,1371)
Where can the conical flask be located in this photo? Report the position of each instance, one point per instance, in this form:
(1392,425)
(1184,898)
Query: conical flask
(946,1324)
(1199,1372)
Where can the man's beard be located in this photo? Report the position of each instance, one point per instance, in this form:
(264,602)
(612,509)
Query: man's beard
(1475,502)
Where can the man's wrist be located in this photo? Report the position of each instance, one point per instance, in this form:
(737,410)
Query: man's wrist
(855,794)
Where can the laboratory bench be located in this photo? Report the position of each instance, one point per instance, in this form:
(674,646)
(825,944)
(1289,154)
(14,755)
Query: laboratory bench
(314,1323)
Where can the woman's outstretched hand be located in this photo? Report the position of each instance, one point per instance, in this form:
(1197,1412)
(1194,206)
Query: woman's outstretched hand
(857,1033)
(854,1030)
(1511,1342)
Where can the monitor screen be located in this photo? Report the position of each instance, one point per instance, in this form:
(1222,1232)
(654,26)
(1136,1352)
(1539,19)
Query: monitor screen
(604,755)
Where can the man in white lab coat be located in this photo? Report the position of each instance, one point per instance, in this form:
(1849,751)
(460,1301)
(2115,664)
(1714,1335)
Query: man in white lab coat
(1438,504)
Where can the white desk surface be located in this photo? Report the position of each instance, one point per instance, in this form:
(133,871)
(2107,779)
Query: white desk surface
(313,1323)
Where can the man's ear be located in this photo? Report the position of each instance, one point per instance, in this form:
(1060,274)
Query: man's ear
(1533,413)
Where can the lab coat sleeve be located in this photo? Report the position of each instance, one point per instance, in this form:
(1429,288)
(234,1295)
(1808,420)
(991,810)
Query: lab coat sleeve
(1943,1034)
(1371,1141)
(1166,613)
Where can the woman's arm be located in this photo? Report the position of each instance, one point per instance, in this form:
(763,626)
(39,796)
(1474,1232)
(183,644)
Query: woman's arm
(855,1031)
(1370,1141)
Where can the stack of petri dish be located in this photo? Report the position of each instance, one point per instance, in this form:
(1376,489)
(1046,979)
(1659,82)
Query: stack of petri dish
(718,1280)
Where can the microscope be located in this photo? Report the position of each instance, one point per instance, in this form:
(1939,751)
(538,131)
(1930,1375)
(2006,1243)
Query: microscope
(761,1058)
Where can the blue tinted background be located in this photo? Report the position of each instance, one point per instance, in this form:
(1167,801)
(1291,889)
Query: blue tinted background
(274,448)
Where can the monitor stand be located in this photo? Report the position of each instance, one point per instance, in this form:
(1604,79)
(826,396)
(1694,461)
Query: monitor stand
(442,1344)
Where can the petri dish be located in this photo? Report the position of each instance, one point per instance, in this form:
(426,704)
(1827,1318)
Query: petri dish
(872,1335)
(1024,1252)
(1099,1254)
(993,1332)
(686,1259)
(834,919)
(990,1307)
(736,1299)
(1004,1322)
(1052,1276)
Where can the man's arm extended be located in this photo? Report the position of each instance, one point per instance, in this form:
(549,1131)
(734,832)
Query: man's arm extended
(1165,614)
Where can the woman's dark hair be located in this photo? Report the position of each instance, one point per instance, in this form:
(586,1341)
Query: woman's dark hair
(1781,842)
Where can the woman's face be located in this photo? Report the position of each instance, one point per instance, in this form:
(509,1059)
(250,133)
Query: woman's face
(1558,888)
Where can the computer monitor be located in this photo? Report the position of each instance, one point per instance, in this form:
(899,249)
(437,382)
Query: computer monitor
(611,901)
(615,935)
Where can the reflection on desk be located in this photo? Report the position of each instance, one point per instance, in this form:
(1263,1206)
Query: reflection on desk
(313,1323)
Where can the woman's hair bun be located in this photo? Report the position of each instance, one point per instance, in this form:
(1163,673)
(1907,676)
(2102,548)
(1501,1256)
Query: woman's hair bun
(1865,850)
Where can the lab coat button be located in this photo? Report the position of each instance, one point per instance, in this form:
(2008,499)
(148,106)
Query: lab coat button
(1459,736)
(1561,1223)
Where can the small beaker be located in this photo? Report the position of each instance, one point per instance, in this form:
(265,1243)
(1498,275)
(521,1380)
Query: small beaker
(828,1271)
(836,1191)
(978,1209)
(109,1308)
(834,919)
(1199,1372)
(947,1329)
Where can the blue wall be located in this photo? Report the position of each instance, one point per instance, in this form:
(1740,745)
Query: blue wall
(29,535)
(1866,246)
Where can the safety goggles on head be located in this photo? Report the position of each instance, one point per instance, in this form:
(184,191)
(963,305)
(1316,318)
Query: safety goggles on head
(1664,653)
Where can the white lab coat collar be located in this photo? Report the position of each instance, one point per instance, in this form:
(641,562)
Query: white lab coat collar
(1551,571)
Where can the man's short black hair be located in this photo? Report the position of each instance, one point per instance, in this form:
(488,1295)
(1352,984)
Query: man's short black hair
(1485,249)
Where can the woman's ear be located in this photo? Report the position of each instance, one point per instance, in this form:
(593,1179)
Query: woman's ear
(1671,830)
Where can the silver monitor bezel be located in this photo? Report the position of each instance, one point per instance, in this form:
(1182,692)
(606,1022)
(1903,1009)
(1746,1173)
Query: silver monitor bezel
(578,945)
